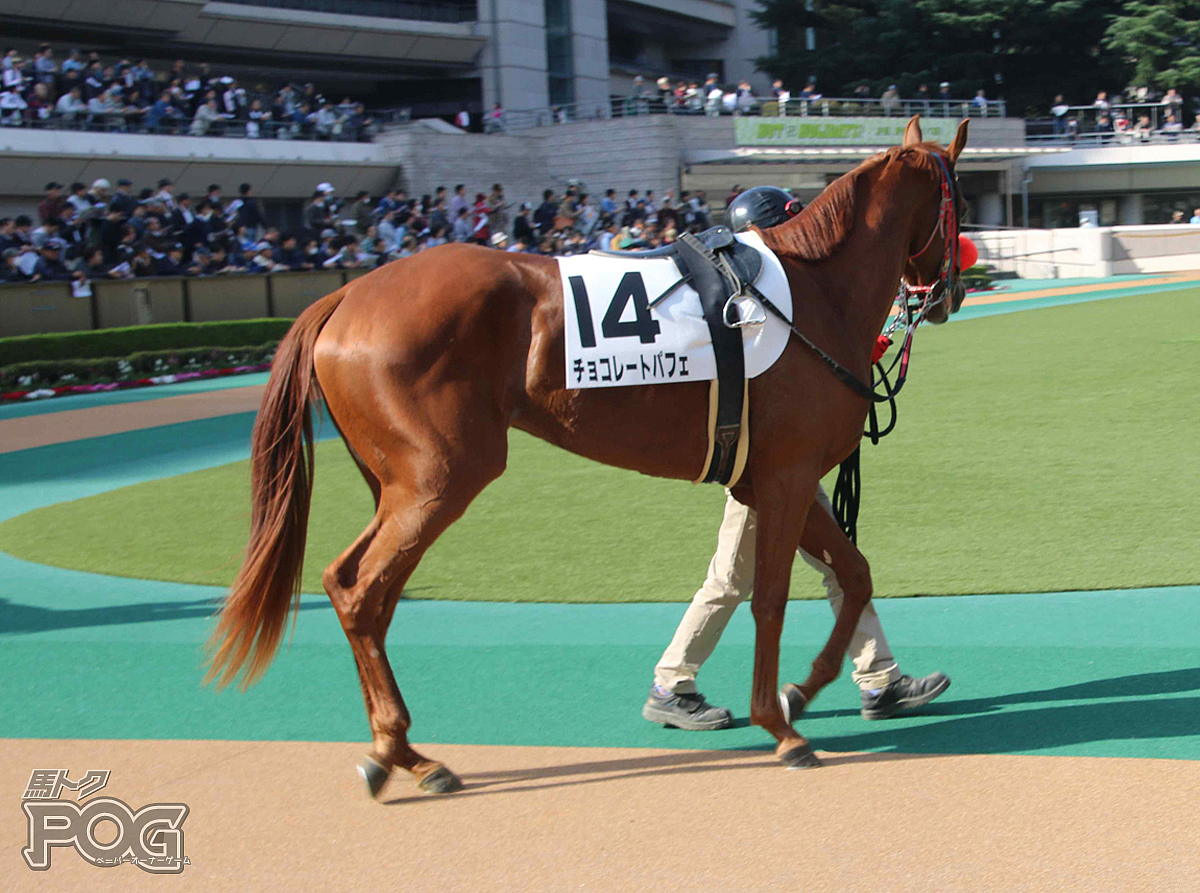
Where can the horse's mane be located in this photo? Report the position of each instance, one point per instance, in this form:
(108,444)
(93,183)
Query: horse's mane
(821,228)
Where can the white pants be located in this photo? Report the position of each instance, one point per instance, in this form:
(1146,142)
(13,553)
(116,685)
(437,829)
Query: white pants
(729,583)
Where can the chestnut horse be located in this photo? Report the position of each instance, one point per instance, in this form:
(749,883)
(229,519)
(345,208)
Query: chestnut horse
(425,364)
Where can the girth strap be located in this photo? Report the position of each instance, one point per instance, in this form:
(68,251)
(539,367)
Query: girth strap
(714,291)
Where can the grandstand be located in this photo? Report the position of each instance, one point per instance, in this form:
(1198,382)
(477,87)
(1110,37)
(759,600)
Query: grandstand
(345,119)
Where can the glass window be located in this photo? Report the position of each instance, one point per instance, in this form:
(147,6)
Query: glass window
(560,61)
(421,10)
(1161,207)
(1167,207)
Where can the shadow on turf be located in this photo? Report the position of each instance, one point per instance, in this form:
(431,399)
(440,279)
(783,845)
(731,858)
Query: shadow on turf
(976,726)
(982,725)
(1133,686)
(1025,731)
(18,618)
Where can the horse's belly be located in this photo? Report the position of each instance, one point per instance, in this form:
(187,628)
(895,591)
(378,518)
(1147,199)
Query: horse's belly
(660,430)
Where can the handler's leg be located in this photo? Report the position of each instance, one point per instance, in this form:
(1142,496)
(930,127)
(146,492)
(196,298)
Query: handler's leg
(885,690)
(674,699)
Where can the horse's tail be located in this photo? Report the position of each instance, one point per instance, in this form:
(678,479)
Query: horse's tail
(267,587)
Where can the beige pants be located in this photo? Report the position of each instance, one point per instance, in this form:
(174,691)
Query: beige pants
(729,583)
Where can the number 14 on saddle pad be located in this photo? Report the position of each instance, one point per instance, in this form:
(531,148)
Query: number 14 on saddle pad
(615,339)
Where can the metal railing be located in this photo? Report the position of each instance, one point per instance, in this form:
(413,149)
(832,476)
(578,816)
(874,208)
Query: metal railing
(768,106)
(135,122)
(1114,139)
(1082,119)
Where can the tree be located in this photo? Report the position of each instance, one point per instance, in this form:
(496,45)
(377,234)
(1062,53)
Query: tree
(1033,49)
(857,42)
(1024,51)
(1161,40)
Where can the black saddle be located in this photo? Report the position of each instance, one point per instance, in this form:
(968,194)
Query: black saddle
(718,267)
(746,262)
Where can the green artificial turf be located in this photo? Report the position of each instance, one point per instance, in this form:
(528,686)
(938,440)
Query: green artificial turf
(1046,450)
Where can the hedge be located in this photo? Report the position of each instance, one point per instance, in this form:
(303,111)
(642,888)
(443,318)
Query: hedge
(50,373)
(123,342)
(978,276)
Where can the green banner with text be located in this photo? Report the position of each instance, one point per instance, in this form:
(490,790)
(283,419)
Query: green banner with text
(811,131)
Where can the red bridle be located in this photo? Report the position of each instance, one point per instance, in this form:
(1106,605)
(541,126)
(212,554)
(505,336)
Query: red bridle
(947,227)
(915,301)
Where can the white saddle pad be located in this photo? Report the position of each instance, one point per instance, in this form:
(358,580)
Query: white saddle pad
(613,340)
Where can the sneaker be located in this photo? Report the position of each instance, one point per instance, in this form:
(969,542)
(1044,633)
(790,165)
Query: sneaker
(791,702)
(902,695)
(685,711)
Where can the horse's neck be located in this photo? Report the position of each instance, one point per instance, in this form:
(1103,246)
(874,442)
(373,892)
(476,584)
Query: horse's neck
(861,281)
(857,284)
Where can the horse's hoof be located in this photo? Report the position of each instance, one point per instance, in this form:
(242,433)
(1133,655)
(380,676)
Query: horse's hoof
(792,702)
(374,775)
(440,781)
(800,757)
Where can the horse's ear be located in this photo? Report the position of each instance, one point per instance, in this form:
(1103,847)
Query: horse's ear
(960,140)
(912,133)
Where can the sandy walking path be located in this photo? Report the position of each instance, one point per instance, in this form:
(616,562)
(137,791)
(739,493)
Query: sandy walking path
(293,816)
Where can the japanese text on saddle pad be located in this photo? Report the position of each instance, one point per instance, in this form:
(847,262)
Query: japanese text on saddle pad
(615,339)
(648,369)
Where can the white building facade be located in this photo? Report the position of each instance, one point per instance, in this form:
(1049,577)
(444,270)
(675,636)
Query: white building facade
(546,53)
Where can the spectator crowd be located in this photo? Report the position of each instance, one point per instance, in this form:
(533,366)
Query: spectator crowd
(713,98)
(123,95)
(131,97)
(1123,118)
(84,233)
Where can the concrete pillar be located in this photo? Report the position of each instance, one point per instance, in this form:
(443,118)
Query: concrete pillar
(748,41)
(991,209)
(1095,251)
(513,64)
(589,22)
(1129,210)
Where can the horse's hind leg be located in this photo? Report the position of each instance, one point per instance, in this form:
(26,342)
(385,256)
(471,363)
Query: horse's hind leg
(373,483)
(364,584)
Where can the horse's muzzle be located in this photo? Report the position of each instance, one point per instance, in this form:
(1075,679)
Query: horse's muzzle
(957,294)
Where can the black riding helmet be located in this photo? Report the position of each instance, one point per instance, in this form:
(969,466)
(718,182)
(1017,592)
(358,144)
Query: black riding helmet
(762,206)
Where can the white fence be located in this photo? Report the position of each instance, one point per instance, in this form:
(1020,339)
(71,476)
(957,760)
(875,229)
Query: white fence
(1090,251)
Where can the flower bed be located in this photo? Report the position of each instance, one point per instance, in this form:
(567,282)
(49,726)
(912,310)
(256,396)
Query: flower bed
(53,378)
(123,342)
(66,390)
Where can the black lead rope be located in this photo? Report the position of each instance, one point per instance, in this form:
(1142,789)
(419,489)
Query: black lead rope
(847,493)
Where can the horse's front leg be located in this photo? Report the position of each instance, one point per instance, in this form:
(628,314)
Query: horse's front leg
(830,551)
(783,503)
